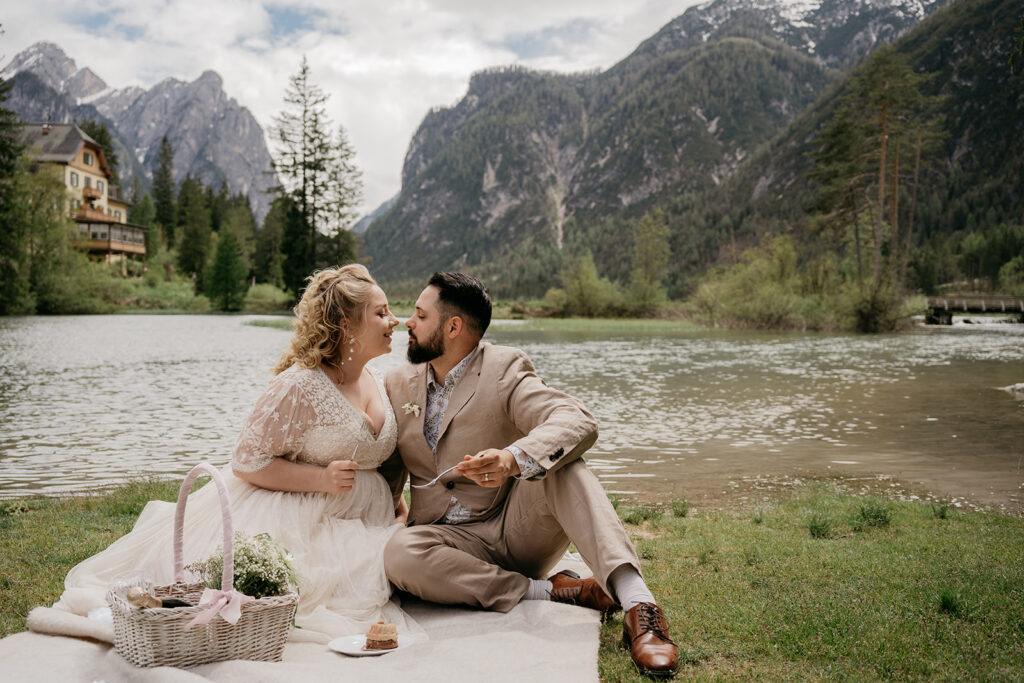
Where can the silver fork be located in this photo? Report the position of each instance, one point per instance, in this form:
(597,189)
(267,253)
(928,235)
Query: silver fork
(434,480)
(437,478)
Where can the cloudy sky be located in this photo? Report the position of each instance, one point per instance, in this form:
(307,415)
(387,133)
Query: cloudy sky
(385,63)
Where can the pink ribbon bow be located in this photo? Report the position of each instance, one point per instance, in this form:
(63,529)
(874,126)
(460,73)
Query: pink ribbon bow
(226,603)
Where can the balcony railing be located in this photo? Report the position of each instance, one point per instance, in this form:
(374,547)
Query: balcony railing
(91,193)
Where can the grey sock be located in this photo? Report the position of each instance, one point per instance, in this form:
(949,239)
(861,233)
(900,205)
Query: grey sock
(629,587)
(538,590)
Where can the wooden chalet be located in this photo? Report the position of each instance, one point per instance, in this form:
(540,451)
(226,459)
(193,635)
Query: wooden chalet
(93,203)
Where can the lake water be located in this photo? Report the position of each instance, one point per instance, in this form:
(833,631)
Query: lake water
(86,402)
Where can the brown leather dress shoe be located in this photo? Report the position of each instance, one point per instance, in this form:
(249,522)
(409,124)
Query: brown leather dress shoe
(645,632)
(568,587)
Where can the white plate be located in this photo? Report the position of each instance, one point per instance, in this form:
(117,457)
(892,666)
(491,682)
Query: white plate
(353,645)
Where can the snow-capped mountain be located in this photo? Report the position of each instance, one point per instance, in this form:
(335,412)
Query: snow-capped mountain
(836,32)
(213,137)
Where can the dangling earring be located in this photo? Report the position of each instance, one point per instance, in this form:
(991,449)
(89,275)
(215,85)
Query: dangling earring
(351,349)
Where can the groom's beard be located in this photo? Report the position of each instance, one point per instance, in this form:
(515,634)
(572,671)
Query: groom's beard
(422,352)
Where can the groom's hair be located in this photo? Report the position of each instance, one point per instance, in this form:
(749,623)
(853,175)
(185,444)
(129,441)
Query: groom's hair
(465,296)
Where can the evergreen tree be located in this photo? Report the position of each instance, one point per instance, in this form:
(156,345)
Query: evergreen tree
(144,213)
(650,257)
(163,191)
(194,242)
(344,189)
(99,132)
(839,158)
(14,283)
(226,283)
(235,216)
(336,249)
(295,236)
(317,168)
(887,94)
(267,256)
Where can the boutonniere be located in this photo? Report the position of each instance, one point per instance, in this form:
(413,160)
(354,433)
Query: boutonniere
(411,407)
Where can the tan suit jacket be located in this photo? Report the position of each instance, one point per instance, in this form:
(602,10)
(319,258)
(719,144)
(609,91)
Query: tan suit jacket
(498,401)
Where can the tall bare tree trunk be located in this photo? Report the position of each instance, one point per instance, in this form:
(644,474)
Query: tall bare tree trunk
(856,241)
(880,209)
(894,215)
(908,233)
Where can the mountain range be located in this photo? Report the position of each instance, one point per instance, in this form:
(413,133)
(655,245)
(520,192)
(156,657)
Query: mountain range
(213,137)
(530,164)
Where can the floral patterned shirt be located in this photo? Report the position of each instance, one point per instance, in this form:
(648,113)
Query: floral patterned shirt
(437,403)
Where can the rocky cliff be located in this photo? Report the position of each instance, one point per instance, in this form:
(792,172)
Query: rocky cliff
(528,162)
(213,136)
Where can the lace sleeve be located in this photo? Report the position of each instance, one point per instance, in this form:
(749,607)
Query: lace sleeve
(275,428)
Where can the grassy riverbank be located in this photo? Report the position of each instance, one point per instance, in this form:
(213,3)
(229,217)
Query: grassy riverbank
(567,325)
(818,583)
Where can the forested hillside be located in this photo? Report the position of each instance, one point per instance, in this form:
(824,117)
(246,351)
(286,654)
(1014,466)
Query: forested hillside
(530,169)
(960,208)
(530,164)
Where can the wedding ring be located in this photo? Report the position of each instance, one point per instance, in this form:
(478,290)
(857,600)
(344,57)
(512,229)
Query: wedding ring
(487,477)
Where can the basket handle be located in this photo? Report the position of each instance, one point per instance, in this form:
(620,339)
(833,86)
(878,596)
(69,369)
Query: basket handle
(227,576)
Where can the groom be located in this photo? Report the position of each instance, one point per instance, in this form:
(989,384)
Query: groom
(488,531)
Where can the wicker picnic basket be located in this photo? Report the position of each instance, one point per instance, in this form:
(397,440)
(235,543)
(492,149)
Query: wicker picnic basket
(159,637)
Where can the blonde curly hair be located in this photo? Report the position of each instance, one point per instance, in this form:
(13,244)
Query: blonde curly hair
(332,308)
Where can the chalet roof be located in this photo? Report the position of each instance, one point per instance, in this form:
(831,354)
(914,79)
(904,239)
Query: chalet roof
(58,142)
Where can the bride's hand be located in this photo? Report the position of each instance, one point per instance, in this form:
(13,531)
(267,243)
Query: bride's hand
(402,512)
(338,477)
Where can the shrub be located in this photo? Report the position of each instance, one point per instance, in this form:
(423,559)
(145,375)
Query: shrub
(940,509)
(819,526)
(950,603)
(639,515)
(878,309)
(874,513)
(266,298)
(680,508)
(706,552)
(583,292)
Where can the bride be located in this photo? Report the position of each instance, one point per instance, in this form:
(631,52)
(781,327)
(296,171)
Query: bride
(303,470)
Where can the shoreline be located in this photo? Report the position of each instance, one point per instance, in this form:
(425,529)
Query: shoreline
(715,492)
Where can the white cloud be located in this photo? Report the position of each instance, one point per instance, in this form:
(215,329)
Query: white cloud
(384,63)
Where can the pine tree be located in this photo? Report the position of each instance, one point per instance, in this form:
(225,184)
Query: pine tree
(317,168)
(14,282)
(143,212)
(226,283)
(163,191)
(839,174)
(194,242)
(235,216)
(295,235)
(99,132)
(267,257)
(650,257)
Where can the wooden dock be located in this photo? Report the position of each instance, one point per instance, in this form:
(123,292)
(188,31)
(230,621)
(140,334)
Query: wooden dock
(942,308)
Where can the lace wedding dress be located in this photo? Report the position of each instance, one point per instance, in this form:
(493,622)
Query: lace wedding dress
(337,540)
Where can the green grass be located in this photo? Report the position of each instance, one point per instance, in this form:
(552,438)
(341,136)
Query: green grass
(894,590)
(748,591)
(42,538)
(286,323)
(601,325)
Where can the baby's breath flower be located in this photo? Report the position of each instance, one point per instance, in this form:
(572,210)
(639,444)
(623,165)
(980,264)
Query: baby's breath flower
(261,567)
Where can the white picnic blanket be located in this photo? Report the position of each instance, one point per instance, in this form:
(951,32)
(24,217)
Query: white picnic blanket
(537,640)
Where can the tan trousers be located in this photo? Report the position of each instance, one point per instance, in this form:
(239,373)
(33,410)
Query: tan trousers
(487,563)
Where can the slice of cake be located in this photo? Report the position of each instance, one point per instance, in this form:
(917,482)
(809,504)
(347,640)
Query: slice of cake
(381,636)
